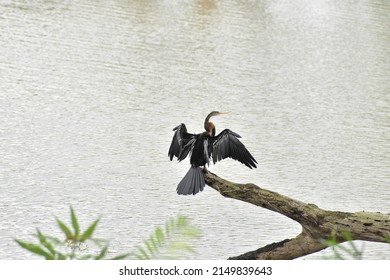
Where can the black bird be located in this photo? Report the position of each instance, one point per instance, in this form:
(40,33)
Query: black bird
(203,147)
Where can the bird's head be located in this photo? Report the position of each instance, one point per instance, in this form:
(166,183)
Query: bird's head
(215,113)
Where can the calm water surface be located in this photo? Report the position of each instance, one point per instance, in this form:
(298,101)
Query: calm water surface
(90,92)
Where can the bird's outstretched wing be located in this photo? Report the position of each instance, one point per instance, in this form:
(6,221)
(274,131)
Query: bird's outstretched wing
(226,144)
(181,142)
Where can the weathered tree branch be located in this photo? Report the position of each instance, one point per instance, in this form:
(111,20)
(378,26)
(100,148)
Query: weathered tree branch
(317,224)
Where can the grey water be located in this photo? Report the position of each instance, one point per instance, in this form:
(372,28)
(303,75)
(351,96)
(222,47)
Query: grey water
(91,90)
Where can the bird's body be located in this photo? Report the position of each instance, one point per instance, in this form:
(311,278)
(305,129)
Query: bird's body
(203,147)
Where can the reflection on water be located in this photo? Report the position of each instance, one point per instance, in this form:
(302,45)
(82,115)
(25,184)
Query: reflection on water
(90,92)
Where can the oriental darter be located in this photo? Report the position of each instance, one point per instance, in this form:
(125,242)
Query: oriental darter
(203,147)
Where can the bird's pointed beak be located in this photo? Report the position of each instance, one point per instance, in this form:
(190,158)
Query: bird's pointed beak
(223,113)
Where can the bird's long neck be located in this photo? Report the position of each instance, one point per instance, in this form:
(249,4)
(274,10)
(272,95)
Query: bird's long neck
(209,126)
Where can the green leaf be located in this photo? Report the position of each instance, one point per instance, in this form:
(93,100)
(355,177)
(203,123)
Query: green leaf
(65,229)
(100,242)
(43,240)
(86,257)
(182,246)
(120,257)
(191,232)
(35,249)
(102,254)
(88,233)
(159,235)
(330,242)
(153,240)
(150,246)
(170,226)
(74,222)
(61,256)
(182,221)
(54,240)
(337,255)
(142,255)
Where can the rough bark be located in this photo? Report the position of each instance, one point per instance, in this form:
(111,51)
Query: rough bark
(317,224)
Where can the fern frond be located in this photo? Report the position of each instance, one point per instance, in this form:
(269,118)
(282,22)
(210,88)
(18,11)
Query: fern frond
(173,241)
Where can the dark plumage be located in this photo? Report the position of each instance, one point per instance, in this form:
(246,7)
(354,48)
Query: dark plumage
(203,147)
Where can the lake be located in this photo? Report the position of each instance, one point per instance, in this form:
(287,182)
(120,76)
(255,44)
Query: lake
(91,90)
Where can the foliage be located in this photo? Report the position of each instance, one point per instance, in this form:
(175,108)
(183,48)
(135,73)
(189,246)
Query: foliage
(72,247)
(172,241)
(341,251)
(347,250)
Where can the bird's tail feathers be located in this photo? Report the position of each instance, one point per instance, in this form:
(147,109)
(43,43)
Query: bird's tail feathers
(192,183)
